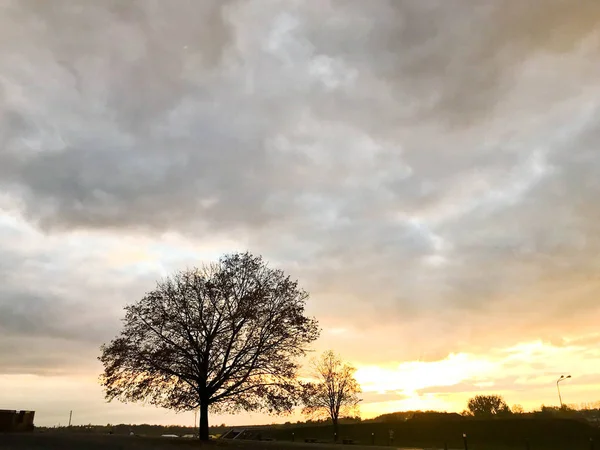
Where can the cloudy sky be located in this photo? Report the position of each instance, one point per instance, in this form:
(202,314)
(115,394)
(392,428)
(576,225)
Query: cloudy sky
(429,171)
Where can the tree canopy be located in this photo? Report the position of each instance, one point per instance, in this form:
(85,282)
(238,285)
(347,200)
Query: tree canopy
(487,406)
(226,336)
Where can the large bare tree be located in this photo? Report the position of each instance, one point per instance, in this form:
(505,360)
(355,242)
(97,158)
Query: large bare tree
(225,336)
(334,391)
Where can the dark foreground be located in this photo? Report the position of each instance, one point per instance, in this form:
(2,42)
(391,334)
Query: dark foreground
(59,441)
(70,441)
(65,441)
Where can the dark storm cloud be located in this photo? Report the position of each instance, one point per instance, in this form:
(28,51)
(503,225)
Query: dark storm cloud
(403,158)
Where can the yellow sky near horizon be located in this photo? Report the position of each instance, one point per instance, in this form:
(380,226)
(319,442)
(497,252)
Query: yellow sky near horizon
(524,374)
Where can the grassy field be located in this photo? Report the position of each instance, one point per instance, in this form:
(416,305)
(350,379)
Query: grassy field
(62,441)
(542,434)
(69,441)
(498,434)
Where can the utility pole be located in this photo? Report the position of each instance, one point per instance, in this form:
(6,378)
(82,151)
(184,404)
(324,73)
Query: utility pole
(70,417)
(562,377)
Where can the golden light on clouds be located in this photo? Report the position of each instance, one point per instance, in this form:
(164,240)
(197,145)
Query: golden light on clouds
(409,377)
(525,374)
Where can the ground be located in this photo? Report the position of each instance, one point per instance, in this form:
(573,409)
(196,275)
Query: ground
(510,434)
(64,441)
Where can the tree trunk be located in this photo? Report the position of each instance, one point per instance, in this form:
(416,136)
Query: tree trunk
(335,429)
(204,421)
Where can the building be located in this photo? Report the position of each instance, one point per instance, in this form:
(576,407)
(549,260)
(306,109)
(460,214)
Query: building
(16,420)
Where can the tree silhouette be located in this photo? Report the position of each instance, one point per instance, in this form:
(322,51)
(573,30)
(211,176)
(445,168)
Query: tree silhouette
(487,405)
(334,393)
(225,336)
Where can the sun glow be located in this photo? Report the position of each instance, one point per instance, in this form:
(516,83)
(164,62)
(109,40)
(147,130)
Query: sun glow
(409,377)
(525,373)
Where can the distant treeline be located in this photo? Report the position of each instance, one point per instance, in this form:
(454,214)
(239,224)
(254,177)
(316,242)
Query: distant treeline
(588,412)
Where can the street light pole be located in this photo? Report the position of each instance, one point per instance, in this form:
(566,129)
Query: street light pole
(562,378)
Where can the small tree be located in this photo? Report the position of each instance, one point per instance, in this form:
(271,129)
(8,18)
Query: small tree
(517,409)
(225,336)
(334,392)
(487,405)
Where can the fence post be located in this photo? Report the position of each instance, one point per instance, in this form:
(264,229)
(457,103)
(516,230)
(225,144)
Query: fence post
(465,441)
(445,446)
(591,443)
(527,447)
(293,437)
(372,438)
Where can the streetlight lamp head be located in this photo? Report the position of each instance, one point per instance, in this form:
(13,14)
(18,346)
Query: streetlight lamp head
(568,376)
(562,376)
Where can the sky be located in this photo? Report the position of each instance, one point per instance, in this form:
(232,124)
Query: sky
(427,170)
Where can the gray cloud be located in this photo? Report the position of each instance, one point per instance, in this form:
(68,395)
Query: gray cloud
(414,163)
(58,302)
